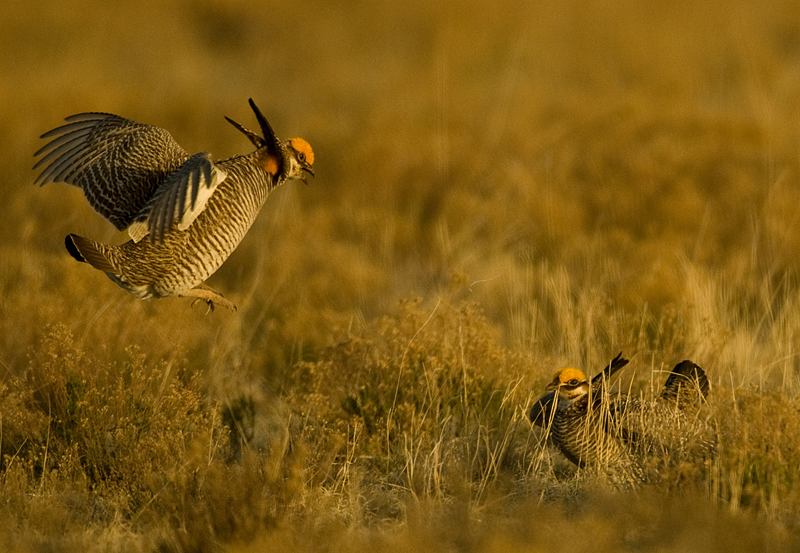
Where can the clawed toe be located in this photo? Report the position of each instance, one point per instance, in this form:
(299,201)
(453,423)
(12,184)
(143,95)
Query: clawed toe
(211,297)
(209,304)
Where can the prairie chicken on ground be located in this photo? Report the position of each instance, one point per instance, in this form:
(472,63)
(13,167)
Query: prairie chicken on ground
(185,213)
(614,436)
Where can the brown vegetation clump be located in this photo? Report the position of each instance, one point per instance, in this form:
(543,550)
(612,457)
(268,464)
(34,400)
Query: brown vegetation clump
(129,445)
(427,401)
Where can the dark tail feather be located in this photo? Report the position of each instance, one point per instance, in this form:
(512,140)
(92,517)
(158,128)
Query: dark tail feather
(684,383)
(73,250)
(616,364)
(86,251)
(599,380)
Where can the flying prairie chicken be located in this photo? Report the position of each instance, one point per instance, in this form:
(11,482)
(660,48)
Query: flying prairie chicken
(615,436)
(185,214)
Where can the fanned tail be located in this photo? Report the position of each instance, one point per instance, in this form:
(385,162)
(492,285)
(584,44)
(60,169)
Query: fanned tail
(88,251)
(687,384)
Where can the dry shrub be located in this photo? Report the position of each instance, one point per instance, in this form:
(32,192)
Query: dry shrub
(414,405)
(134,444)
(759,446)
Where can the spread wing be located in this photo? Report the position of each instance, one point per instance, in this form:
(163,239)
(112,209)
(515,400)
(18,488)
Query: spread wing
(119,163)
(180,198)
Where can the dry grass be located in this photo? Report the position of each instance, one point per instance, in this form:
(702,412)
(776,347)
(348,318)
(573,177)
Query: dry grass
(554,183)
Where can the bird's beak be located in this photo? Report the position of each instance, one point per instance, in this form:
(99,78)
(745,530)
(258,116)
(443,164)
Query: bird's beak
(552,386)
(309,170)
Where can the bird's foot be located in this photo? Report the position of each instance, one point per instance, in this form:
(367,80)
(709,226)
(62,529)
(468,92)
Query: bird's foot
(209,304)
(211,297)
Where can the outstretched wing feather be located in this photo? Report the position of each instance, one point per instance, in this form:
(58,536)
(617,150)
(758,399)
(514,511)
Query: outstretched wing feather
(119,163)
(182,196)
(58,145)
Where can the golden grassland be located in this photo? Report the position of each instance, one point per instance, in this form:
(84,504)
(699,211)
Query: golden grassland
(502,189)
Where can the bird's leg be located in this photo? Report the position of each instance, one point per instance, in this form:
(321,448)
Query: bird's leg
(210,296)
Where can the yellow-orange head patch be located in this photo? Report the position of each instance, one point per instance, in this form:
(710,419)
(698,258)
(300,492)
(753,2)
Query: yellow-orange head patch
(567,375)
(303,147)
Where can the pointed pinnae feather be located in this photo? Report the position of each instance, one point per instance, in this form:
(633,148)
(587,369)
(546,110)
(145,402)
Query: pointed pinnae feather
(252,136)
(235,124)
(600,379)
(270,139)
(615,365)
(266,128)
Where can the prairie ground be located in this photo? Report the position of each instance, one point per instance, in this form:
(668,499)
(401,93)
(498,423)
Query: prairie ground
(502,189)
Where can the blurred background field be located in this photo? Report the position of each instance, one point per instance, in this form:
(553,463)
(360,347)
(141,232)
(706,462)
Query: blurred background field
(502,189)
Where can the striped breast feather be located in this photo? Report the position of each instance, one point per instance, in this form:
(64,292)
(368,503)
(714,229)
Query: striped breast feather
(117,162)
(180,198)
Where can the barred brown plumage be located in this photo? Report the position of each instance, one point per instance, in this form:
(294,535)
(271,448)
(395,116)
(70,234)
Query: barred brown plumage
(196,211)
(613,437)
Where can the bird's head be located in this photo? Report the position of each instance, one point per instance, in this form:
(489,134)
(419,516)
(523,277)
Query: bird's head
(570,384)
(301,159)
(282,159)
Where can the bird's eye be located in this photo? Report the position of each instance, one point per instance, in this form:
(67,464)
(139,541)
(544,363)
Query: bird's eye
(573,382)
(301,156)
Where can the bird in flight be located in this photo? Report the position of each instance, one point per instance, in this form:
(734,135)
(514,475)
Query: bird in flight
(185,213)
